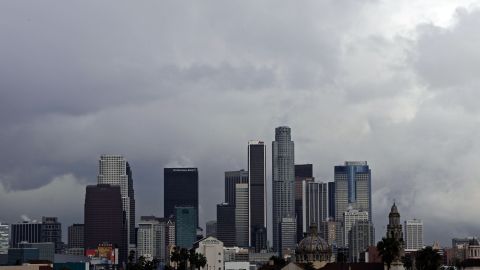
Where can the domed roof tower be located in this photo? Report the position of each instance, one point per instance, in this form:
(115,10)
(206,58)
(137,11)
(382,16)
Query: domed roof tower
(313,248)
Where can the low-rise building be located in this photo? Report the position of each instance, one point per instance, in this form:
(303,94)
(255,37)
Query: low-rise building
(212,249)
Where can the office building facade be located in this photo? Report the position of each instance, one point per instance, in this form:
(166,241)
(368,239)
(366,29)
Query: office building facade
(180,189)
(360,237)
(4,238)
(288,236)
(241,215)
(303,173)
(52,232)
(185,226)
(257,180)
(76,234)
(151,238)
(226,224)
(211,228)
(413,235)
(231,179)
(104,218)
(314,204)
(283,182)
(350,217)
(331,200)
(114,170)
(352,188)
(26,231)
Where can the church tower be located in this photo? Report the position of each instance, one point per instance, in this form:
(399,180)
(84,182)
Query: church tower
(394,228)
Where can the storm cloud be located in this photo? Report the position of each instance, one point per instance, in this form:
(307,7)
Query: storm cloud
(172,83)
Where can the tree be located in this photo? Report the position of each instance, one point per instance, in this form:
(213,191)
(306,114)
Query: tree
(389,250)
(175,257)
(428,259)
(184,254)
(196,260)
(407,262)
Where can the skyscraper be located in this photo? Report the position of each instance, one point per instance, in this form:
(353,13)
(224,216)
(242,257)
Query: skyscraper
(226,224)
(105,219)
(303,170)
(180,189)
(231,179)
(257,179)
(314,204)
(211,228)
(185,226)
(303,173)
(331,200)
(283,182)
(413,234)
(360,237)
(76,234)
(52,232)
(288,236)
(114,170)
(353,188)
(151,242)
(241,215)
(76,239)
(350,217)
(26,231)
(4,238)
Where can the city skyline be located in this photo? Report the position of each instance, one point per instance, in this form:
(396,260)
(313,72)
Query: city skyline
(168,84)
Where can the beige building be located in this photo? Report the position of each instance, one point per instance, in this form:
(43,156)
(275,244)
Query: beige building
(212,249)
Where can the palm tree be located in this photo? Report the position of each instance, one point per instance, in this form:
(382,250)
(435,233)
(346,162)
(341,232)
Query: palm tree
(175,257)
(183,255)
(428,259)
(196,260)
(389,250)
(201,261)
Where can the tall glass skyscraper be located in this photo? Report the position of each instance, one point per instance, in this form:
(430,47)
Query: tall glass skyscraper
(257,182)
(283,184)
(105,219)
(303,173)
(180,188)
(114,170)
(231,179)
(353,187)
(185,226)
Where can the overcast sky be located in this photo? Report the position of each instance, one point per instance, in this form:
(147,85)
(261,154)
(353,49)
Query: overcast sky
(188,83)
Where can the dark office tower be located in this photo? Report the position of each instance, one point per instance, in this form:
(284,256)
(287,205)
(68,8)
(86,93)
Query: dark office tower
(211,228)
(180,187)
(283,185)
(25,231)
(185,226)
(76,236)
(52,232)
(257,177)
(331,200)
(304,170)
(131,220)
(105,220)
(231,179)
(114,170)
(226,224)
(353,188)
(303,173)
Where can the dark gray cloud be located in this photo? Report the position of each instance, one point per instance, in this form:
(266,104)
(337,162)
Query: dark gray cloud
(169,83)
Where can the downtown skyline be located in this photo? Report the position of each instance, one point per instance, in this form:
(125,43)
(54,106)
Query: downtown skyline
(170,84)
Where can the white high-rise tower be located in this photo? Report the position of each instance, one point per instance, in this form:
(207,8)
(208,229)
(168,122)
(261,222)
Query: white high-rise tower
(413,234)
(115,170)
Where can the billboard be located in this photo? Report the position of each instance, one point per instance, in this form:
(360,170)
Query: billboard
(104,254)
